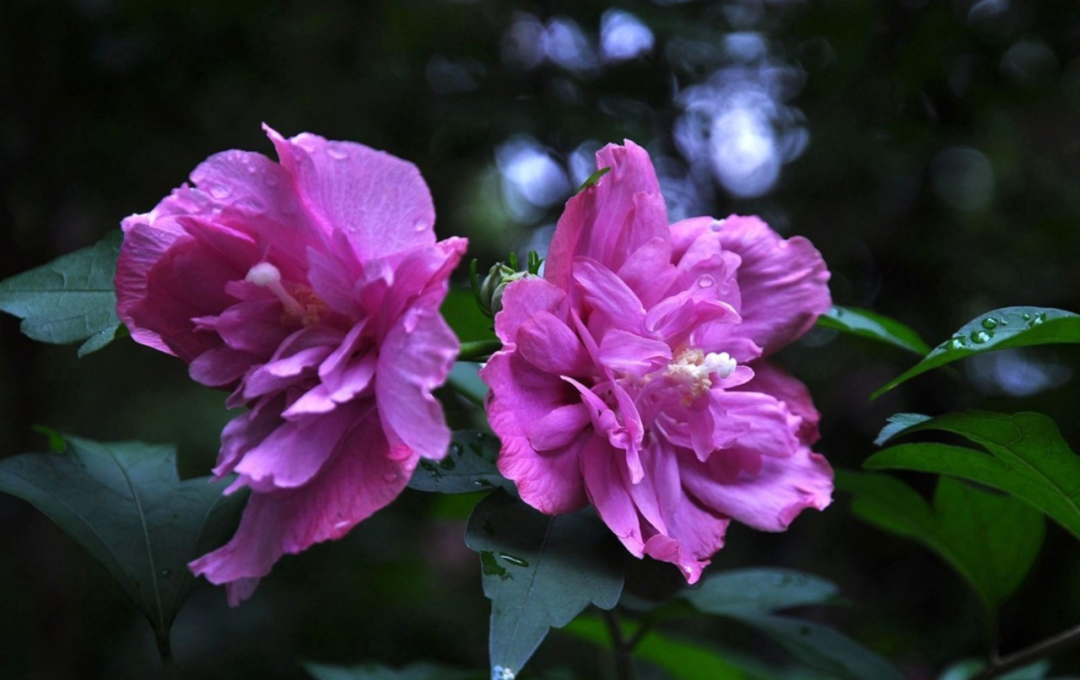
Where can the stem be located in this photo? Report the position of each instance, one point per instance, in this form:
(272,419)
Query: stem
(1048,647)
(478,349)
(624,663)
(164,645)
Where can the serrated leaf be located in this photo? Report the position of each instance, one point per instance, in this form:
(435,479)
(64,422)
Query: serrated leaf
(682,659)
(468,467)
(70,299)
(1005,328)
(760,591)
(867,324)
(1025,457)
(990,540)
(124,503)
(823,648)
(539,572)
(416,671)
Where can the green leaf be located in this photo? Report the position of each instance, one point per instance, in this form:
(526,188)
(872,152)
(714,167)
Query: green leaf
(70,299)
(972,667)
(750,596)
(1000,329)
(465,317)
(991,540)
(1026,457)
(592,179)
(465,379)
(750,591)
(683,660)
(468,467)
(823,648)
(416,671)
(867,324)
(539,572)
(124,503)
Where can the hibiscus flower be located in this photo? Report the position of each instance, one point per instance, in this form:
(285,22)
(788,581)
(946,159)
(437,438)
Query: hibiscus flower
(633,375)
(310,290)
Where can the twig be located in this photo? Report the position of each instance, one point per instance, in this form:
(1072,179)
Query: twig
(624,663)
(1048,647)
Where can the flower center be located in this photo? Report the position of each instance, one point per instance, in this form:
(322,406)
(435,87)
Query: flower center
(307,310)
(695,370)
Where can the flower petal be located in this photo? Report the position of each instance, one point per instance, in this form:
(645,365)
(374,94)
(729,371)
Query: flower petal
(379,201)
(414,359)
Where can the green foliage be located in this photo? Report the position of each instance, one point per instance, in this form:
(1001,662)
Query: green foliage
(990,539)
(539,571)
(592,179)
(867,324)
(124,503)
(416,671)
(752,596)
(465,379)
(760,591)
(969,669)
(70,299)
(468,467)
(682,659)
(1005,328)
(1025,457)
(465,317)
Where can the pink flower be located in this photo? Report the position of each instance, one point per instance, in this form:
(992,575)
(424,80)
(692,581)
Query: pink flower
(632,374)
(311,290)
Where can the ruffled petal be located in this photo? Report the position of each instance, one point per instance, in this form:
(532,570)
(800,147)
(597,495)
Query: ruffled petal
(379,201)
(784,283)
(414,359)
(613,218)
(521,397)
(359,479)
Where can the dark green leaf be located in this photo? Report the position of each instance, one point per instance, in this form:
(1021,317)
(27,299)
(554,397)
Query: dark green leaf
(416,671)
(970,668)
(539,571)
(762,591)
(1000,329)
(991,540)
(897,424)
(823,648)
(1026,458)
(469,466)
(125,504)
(70,299)
(751,595)
(683,660)
(867,324)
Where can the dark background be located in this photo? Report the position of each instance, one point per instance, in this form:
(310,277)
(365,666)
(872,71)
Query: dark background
(929,149)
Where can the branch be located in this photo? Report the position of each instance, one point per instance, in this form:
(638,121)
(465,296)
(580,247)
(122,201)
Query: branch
(1048,647)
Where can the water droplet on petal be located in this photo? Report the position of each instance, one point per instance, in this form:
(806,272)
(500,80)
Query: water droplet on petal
(421,225)
(337,153)
(716,225)
(390,477)
(706,282)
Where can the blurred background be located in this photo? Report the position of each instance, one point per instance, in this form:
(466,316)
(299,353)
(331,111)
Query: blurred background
(929,148)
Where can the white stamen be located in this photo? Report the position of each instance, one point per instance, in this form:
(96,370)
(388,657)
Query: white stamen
(266,274)
(721,364)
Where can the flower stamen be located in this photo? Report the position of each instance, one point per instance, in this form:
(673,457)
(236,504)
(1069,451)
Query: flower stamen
(267,275)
